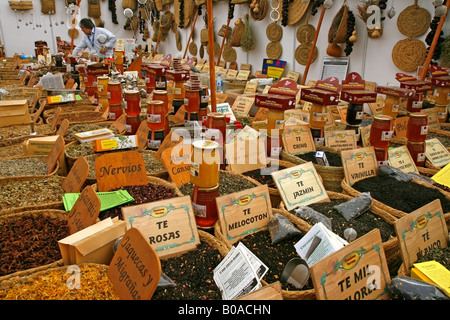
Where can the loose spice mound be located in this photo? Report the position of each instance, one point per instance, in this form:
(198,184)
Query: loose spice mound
(192,273)
(404,196)
(141,194)
(362,224)
(265,178)
(23,193)
(274,256)
(32,166)
(441,255)
(82,127)
(334,159)
(228,183)
(23,130)
(52,285)
(30,241)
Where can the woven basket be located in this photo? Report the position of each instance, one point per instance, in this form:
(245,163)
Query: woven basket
(21,5)
(94,9)
(413,21)
(67,109)
(338,29)
(77,117)
(48,6)
(274,31)
(409,54)
(305,33)
(43,158)
(303,227)
(296,10)
(229,54)
(274,50)
(263,8)
(37,206)
(189,9)
(52,213)
(380,205)
(331,176)
(236,33)
(302,53)
(19,133)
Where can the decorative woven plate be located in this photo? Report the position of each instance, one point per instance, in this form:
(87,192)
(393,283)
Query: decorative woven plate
(274,50)
(305,33)
(297,9)
(75,33)
(229,54)
(274,31)
(409,54)
(193,49)
(414,21)
(302,53)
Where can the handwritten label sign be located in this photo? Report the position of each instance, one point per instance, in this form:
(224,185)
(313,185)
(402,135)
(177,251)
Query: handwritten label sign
(436,152)
(142,135)
(118,169)
(242,105)
(359,164)
(298,139)
(421,231)
(171,140)
(400,127)
(340,139)
(168,225)
(76,176)
(433,120)
(300,185)
(64,126)
(242,213)
(177,161)
(401,159)
(135,269)
(85,211)
(55,154)
(358,271)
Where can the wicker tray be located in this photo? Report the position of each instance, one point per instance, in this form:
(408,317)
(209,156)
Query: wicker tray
(53,213)
(37,206)
(79,117)
(19,133)
(331,175)
(43,158)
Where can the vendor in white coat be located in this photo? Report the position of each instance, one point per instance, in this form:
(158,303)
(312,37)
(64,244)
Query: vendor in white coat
(99,41)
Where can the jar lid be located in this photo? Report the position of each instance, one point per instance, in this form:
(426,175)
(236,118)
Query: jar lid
(210,189)
(415,142)
(131,91)
(216,115)
(128,116)
(417,114)
(205,144)
(155,102)
(383,117)
(159,91)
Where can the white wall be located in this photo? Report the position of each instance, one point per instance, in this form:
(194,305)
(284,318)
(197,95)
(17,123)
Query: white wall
(372,58)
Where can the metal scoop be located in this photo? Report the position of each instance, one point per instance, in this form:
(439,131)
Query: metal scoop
(296,272)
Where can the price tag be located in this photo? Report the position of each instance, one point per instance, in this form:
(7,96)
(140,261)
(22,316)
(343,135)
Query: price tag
(168,225)
(242,105)
(250,87)
(400,127)
(421,231)
(298,139)
(242,213)
(177,161)
(341,139)
(118,169)
(358,271)
(85,211)
(136,259)
(300,185)
(359,164)
(433,120)
(365,135)
(401,159)
(436,152)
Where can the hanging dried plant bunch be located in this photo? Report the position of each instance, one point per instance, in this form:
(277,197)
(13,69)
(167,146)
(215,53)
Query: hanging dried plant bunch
(181,24)
(351,31)
(112,8)
(247,39)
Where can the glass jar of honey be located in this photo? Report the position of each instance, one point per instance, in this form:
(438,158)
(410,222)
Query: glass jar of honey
(132,101)
(381,131)
(391,106)
(318,135)
(115,111)
(417,152)
(155,138)
(132,125)
(442,95)
(205,162)
(216,121)
(103,86)
(162,95)
(150,82)
(204,205)
(192,100)
(156,115)
(382,156)
(176,104)
(417,128)
(204,97)
(318,115)
(178,90)
(274,122)
(414,104)
(114,92)
(354,114)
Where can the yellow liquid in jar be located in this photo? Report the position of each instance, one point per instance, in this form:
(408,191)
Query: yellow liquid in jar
(205,161)
(318,115)
(391,106)
(273,118)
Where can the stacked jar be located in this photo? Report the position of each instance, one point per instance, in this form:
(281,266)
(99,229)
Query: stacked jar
(441,102)
(416,134)
(216,130)
(205,162)
(161,95)
(177,77)
(132,106)
(380,136)
(114,95)
(156,122)
(149,77)
(192,100)
(102,83)
(392,99)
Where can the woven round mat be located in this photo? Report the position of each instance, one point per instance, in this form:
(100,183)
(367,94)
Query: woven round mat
(274,50)
(302,53)
(229,54)
(216,49)
(74,31)
(188,11)
(414,21)
(297,9)
(409,54)
(305,33)
(193,49)
(274,31)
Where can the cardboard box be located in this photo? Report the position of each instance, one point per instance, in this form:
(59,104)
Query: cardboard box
(115,143)
(94,244)
(41,146)
(14,112)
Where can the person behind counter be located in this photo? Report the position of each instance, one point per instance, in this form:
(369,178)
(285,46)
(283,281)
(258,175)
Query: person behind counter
(99,41)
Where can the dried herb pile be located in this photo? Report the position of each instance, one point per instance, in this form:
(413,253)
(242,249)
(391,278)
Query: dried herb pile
(192,273)
(52,285)
(333,159)
(30,241)
(441,255)
(27,166)
(405,196)
(30,192)
(265,178)
(83,127)
(142,194)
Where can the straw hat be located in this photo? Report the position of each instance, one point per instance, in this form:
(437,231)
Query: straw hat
(189,9)
(409,54)
(302,53)
(274,50)
(413,21)
(274,31)
(297,9)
